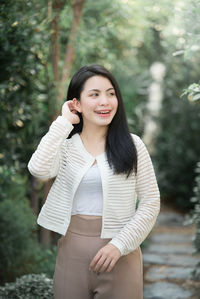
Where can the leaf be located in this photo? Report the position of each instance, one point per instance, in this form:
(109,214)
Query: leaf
(196,97)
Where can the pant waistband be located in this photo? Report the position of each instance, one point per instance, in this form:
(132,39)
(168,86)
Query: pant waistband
(88,227)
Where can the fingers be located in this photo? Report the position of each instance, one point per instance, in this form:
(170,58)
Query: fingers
(73,107)
(105,259)
(105,265)
(100,264)
(95,260)
(111,265)
(70,106)
(103,262)
(69,111)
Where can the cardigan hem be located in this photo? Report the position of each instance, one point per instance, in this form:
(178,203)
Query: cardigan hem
(60,230)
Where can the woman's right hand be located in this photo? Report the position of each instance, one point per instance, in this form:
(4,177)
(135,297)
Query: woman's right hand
(69,111)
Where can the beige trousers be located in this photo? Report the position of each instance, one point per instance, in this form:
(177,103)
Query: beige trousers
(73,280)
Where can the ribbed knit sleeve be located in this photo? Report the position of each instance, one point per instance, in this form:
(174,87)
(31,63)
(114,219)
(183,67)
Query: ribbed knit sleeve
(137,229)
(44,163)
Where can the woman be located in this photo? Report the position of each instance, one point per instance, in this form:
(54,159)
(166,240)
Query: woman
(101,169)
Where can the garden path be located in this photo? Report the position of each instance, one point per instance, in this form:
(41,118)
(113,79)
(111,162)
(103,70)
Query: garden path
(170,258)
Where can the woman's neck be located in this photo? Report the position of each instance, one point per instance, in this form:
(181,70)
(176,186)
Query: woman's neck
(94,135)
(94,140)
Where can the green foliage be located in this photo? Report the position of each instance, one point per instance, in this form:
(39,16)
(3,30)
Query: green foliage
(20,252)
(177,144)
(45,259)
(27,91)
(191,24)
(17,230)
(177,151)
(194,217)
(12,183)
(196,213)
(24,82)
(191,51)
(28,287)
(193,92)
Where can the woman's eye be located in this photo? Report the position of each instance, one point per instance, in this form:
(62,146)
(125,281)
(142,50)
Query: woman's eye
(112,93)
(94,94)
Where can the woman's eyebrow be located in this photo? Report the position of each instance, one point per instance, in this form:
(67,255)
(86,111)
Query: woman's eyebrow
(99,90)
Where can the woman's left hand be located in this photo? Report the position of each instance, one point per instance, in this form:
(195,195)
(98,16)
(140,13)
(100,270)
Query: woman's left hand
(105,259)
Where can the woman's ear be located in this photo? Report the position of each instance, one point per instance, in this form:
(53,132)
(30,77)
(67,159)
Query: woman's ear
(77,105)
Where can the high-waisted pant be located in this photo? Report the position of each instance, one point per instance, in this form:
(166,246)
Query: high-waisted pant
(72,278)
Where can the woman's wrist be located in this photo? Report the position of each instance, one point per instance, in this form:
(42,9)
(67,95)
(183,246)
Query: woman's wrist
(64,120)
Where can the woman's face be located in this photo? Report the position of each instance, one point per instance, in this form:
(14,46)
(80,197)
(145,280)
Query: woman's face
(98,102)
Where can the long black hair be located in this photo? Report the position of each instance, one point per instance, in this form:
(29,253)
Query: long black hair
(120,148)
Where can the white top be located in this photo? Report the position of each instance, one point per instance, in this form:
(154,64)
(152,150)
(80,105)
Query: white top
(68,161)
(88,198)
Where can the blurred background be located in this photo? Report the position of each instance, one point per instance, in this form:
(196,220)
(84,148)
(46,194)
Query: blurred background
(153,50)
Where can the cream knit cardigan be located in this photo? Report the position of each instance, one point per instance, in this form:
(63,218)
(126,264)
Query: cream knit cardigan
(68,161)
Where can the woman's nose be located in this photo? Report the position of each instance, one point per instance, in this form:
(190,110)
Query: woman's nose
(103,99)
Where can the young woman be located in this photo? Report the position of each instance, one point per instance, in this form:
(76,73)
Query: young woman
(101,169)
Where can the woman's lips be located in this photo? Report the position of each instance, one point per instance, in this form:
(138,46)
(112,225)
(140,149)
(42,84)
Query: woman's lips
(104,115)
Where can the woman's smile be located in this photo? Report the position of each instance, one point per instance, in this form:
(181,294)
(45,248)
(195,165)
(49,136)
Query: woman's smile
(104,113)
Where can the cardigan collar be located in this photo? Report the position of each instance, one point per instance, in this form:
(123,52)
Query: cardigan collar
(76,139)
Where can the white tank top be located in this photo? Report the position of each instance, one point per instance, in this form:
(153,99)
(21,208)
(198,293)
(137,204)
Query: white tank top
(88,198)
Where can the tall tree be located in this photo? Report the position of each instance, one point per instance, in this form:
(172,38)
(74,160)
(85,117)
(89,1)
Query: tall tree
(60,77)
(70,48)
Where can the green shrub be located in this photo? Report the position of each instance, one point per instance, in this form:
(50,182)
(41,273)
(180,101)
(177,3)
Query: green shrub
(20,252)
(29,287)
(196,213)
(13,184)
(177,151)
(45,259)
(18,239)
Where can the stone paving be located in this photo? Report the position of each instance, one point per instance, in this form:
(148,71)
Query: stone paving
(170,259)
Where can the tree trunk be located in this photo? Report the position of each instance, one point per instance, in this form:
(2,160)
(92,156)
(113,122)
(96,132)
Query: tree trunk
(57,5)
(54,7)
(70,49)
(34,195)
(45,235)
